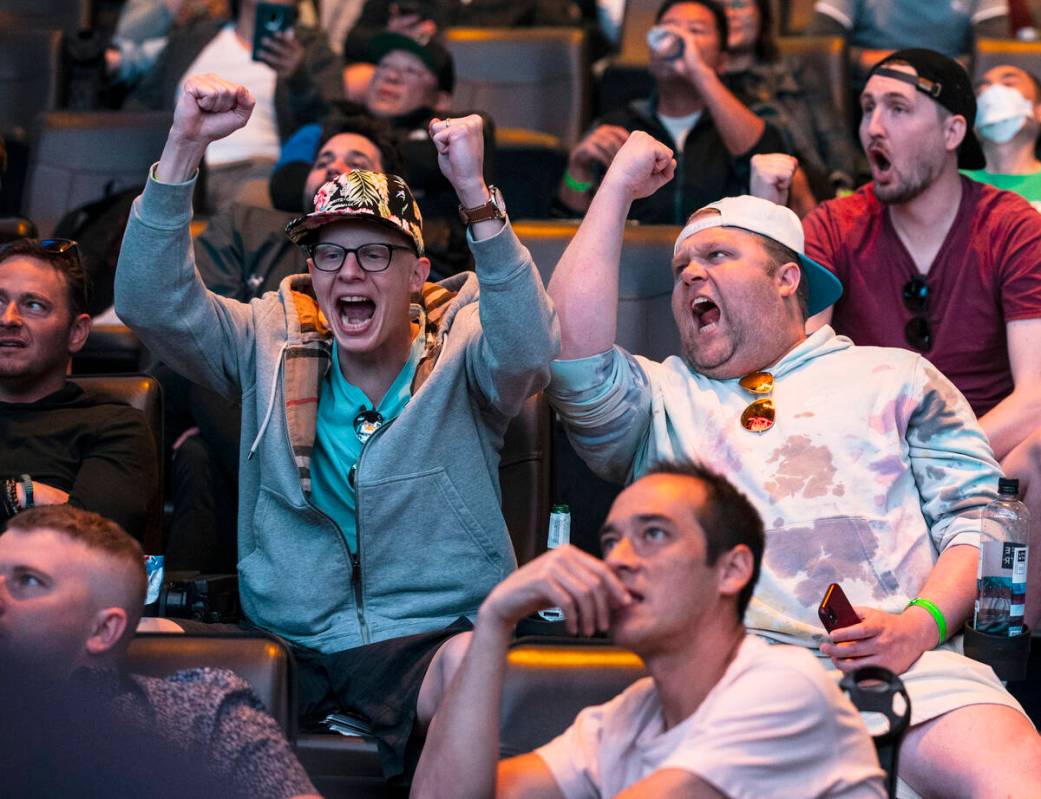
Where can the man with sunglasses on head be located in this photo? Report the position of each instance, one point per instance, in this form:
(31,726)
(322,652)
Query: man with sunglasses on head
(940,264)
(865,463)
(373,409)
(57,444)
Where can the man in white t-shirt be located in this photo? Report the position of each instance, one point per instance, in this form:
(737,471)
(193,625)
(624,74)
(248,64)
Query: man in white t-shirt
(723,714)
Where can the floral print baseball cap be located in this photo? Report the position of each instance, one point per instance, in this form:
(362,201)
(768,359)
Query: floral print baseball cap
(367,196)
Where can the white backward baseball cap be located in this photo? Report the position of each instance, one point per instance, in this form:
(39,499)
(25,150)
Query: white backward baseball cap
(776,222)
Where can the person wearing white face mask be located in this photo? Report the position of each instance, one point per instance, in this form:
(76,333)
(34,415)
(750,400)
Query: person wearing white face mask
(1008,120)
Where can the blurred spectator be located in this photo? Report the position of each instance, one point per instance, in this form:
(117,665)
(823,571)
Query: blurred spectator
(711,133)
(1008,120)
(875,28)
(142,30)
(934,262)
(413,84)
(800,107)
(60,446)
(72,586)
(293,85)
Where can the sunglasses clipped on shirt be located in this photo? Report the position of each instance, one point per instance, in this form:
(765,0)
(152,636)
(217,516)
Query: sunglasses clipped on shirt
(917,331)
(759,416)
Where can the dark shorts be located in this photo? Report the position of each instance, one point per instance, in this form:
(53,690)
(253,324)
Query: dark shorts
(378,683)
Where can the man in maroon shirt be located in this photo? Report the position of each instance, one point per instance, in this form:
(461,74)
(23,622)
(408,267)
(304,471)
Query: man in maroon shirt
(932,261)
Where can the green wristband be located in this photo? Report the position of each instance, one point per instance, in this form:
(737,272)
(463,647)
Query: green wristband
(932,610)
(576,185)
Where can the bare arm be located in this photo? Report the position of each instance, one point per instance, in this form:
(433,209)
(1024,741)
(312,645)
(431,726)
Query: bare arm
(671,783)
(584,286)
(1014,418)
(461,754)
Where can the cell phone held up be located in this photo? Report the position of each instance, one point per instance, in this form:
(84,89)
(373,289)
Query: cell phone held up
(835,610)
(270,19)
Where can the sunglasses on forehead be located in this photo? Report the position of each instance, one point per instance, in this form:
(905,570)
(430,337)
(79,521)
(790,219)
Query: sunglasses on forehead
(57,246)
(759,416)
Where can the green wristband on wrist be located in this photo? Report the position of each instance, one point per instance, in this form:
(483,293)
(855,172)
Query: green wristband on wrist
(576,185)
(930,608)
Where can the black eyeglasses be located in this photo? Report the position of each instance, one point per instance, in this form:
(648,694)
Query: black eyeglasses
(329,257)
(916,299)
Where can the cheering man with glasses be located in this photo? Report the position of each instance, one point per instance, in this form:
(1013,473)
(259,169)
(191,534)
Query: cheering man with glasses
(373,408)
(940,264)
(865,463)
(57,444)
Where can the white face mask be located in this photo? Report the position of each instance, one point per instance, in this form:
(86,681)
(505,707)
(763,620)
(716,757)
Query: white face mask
(1001,112)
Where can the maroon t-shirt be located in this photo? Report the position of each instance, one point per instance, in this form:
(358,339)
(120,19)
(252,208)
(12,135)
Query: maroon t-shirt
(986,273)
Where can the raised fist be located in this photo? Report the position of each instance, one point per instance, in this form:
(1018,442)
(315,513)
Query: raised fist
(210,108)
(642,166)
(772,175)
(460,154)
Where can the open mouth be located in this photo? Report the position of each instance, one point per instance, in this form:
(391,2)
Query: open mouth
(706,313)
(881,166)
(355,312)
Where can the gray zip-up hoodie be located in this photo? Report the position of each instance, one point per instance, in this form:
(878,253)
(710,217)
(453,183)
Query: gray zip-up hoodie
(431,538)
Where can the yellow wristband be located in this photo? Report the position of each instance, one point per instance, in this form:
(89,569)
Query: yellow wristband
(932,610)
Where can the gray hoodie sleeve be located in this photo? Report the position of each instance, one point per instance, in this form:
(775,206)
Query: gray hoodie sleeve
(161,297)
(509,360)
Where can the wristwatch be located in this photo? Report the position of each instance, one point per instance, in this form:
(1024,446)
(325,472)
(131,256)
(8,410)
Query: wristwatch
(495,208)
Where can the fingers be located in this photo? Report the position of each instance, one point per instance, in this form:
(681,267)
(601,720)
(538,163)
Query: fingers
(214,94)
(445,131)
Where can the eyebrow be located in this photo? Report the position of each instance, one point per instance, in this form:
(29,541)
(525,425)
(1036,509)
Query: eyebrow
(640,517)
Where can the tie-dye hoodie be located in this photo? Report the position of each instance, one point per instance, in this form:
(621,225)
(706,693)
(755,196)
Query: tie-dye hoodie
(874,466)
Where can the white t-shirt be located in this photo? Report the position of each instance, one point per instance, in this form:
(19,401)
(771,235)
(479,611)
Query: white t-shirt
(226,56)
(679,127)
(774,726)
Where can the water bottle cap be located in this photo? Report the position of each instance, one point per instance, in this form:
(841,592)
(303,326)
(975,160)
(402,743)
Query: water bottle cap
(561,508)
(1008,485)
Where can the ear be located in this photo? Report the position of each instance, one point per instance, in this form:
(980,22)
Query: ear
(954,132)
(108,628)
(788,277)
(736,567)
(420,273)
(78,333)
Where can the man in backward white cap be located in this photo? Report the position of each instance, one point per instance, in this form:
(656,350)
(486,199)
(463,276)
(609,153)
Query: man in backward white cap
(866,464)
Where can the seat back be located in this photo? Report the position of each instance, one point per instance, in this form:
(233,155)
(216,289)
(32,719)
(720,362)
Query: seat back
(645,323)
(80,156)
(524,477)
(795,15)
(636,21)
(821,58)
(528,168)
(68,15)
(532,78)
(993,52)
(144,393)
(30,74)
(548,682)
(263,661)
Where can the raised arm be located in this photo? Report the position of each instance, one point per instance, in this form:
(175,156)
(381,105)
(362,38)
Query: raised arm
(461,754)
(519,337)
(584,286)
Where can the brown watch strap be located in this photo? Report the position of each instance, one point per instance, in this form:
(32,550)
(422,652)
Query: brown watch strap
(489,210)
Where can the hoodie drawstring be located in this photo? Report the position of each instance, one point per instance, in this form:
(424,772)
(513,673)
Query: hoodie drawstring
(270,402)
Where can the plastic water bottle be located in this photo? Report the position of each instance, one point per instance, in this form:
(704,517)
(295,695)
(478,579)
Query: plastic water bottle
(1001,585)
(559,535)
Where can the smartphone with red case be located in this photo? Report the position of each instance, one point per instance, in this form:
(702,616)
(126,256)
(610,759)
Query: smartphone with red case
(835,611)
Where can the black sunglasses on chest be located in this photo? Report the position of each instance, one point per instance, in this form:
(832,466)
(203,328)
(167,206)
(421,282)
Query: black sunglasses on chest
(917,331)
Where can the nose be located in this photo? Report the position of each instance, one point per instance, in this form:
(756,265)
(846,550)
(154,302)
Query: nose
(692,273)
(350,269)
(10,317)
(872,122)
(621,556)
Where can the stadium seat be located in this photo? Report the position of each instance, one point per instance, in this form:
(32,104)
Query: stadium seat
(820,58)
(992,52)
(535,78)
(30,75)
(141,392)
(528,168)
(261,660)
(645,324)
(68,15)
(110,349)
(81,156)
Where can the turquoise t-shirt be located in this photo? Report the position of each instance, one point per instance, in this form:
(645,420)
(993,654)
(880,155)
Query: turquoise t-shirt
(337,446)
(1027,186)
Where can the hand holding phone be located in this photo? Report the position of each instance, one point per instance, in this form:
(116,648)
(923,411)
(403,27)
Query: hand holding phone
(271,20)
(835,610)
